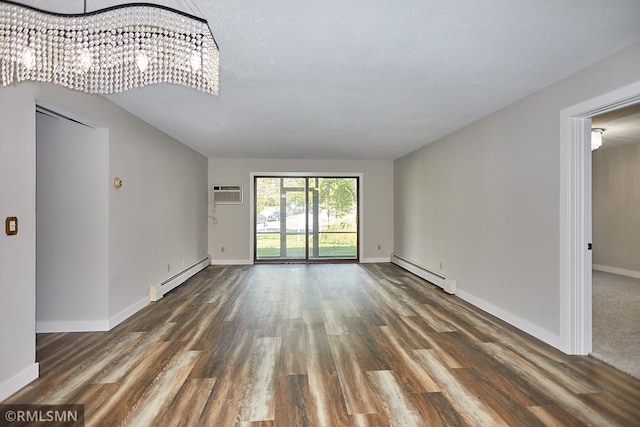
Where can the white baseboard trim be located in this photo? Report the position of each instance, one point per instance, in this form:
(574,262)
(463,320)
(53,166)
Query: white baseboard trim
(157,290)
(374,260)
(231,262)
(19,380)
(92,325)
(448,284)
(616,270)
(127,312)
(524,325)
(44,327)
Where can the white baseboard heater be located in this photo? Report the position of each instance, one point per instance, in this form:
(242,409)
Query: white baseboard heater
(447,284)
(158,290)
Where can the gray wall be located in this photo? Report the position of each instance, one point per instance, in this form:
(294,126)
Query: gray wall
(72,225)
(616,208)
(17,253)
(232,230)
(485,201)
(157,218)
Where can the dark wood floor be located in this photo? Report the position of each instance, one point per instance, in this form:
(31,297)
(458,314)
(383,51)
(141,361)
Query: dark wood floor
(336,345)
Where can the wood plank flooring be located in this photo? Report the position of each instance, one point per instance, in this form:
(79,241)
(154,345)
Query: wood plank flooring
(323,345)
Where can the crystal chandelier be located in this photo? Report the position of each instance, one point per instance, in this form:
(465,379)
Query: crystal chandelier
(108,50)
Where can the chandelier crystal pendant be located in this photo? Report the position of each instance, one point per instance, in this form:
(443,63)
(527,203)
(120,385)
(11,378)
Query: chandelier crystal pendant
(109,50)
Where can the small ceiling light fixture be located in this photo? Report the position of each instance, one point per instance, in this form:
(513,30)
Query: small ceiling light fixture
(596,138)
(108,50)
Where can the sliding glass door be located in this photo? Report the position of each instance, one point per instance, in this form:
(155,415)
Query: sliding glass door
(306,219)
(280,221)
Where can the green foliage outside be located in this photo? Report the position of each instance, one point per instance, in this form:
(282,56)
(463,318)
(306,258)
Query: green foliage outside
(337,196)
(331,245)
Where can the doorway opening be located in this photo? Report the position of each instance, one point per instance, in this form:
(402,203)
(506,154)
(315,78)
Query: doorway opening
(306,219)
(616,232)
(575,216)
(72,227)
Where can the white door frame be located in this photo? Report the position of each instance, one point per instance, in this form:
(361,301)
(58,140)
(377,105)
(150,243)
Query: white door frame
(575,215)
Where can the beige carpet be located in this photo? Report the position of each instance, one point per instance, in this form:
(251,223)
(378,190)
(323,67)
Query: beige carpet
(616,321)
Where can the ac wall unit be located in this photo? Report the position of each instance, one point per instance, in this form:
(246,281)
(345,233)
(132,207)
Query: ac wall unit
(227,194)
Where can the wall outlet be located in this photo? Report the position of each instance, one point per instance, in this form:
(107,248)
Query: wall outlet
(222,249)
(379,247)
(441,265)
(168,268)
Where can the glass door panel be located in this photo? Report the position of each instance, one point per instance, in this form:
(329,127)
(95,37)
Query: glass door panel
(333,213)
(267,223)
(279,232)
(292,217)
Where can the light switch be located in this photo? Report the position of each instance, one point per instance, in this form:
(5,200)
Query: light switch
(11,225)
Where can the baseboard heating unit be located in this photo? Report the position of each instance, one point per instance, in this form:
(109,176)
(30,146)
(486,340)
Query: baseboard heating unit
(158,290)
(447,284)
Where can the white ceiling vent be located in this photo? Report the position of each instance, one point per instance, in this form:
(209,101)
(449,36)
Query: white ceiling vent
(227,194)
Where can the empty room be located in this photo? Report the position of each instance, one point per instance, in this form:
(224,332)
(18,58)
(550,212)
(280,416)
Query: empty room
(317,213)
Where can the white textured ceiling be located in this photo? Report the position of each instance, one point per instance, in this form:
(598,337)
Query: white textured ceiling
(371,79)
